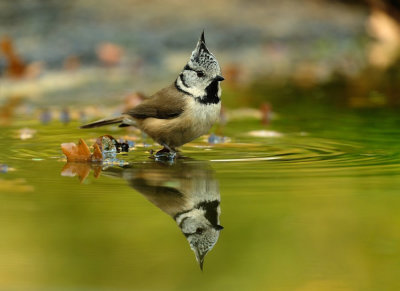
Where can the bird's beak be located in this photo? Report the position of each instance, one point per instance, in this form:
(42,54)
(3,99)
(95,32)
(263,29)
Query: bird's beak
(219,227)
(219,78)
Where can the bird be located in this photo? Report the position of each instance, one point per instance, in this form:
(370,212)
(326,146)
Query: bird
(182,111)
(188,192)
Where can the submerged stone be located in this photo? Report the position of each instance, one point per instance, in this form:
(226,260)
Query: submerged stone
(215,139)
(3,168)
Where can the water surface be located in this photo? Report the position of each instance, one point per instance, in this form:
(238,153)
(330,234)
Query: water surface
(312,204)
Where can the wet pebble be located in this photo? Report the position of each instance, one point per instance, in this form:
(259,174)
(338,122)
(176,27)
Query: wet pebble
(131,143)
(45,116)
(215,139)
(3,168)
(65,116)
(26,133)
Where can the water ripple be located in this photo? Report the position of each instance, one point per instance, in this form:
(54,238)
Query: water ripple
(288,152)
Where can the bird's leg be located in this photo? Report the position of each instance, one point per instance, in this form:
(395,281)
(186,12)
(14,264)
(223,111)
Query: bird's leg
(164,150)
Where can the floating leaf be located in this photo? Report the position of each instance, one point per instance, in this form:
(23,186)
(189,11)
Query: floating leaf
(77,152)
(97,154)
(80,160)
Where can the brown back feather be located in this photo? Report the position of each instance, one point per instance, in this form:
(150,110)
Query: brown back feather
(165,104)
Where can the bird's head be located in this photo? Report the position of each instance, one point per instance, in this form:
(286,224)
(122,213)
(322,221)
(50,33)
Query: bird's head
(201,228)
(201,72)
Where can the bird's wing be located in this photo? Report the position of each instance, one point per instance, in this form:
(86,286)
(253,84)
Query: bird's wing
(166,104)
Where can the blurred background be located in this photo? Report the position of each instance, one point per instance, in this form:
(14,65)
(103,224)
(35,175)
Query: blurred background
(82,51)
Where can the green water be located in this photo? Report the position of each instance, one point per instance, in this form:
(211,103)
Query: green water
(316,207)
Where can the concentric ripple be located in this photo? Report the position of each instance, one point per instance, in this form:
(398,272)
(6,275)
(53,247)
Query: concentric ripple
(283,152)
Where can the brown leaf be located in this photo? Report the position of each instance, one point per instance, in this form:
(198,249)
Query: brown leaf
(77,153)
(97,155)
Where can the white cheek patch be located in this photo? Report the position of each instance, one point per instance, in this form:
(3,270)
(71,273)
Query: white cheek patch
(195,92)
(193,213)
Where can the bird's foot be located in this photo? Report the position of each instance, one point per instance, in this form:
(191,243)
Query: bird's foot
(165,154)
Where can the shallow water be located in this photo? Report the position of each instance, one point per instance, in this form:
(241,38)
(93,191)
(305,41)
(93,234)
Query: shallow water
(312,206)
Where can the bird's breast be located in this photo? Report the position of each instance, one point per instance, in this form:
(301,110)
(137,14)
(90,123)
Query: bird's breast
(202,116)
(196,120)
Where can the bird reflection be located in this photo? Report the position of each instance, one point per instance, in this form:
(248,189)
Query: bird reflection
(187,192)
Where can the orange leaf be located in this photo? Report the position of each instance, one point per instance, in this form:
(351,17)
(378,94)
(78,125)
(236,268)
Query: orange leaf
(77,153)
(97,155)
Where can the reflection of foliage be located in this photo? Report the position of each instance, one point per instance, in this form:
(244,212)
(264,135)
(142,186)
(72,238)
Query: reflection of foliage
(81,170)
(7,110)
(16,185)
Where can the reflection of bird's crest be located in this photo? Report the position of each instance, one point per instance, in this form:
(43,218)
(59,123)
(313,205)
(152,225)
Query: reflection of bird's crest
(201,228)
(188,193)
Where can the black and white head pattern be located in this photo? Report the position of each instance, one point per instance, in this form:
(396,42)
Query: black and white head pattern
(201,75)
(201,228)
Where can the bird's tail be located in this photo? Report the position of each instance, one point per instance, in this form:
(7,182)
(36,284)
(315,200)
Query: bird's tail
(103,122)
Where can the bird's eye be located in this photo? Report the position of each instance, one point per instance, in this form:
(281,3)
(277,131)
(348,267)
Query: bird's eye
(200,74)
(199,230)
